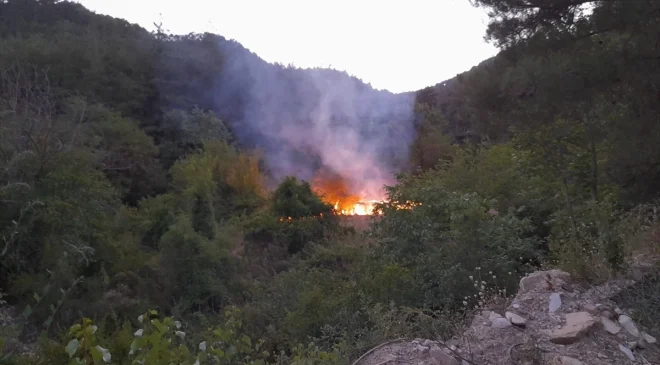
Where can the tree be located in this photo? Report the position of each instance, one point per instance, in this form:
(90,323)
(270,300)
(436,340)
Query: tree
(297,200)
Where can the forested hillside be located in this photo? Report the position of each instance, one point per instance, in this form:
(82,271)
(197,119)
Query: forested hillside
(158,197)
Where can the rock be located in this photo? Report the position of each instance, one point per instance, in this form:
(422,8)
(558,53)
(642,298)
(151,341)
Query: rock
(555,302)
(606,314)
(648,338)
(500,323)
(628,352)
(567,287)
(422,349)
(618,311)
(590,308)
(493,316)
(443,358)
(515,319)
(577,325)
(645,340)
(539,279)
(627,323)
(564,360)
(610,326)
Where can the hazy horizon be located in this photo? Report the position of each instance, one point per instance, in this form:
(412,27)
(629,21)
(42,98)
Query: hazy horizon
(388,45)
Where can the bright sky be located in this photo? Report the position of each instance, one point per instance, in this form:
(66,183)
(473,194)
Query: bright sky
(394,45)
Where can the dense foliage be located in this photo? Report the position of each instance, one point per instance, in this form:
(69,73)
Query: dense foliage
(139,222)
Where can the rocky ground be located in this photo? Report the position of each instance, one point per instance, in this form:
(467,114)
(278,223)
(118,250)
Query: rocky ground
(551,321)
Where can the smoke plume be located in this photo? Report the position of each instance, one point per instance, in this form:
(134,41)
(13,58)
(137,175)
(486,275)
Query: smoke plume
(314,120)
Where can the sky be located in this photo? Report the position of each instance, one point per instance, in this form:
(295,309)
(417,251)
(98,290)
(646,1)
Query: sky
(393,45)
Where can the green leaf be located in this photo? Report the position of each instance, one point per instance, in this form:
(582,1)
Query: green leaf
(72,347)
(97,355)
(246,340)
(76,361)
(219,353)
(27,311)
(75,329)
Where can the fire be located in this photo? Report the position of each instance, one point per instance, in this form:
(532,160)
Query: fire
(359,208)
(335,190)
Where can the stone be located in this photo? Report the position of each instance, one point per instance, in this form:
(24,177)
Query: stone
(590,308)
(500,323)
(627,352)
(645,340)
(648,338)
(564,360)
(422,349)
(577,325)
(606,314)
(554,303)
(442,358)
(515,319)
(610,326)
(628,324)
(538,280)
(516,305)
(428,343)
(493,316)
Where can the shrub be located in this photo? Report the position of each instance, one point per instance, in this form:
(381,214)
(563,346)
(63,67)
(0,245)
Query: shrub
(443,236)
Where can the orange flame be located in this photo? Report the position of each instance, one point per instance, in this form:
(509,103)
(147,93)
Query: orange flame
(334,190)
(359,208)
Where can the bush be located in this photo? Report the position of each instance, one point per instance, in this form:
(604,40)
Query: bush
(443,236)
(163,341)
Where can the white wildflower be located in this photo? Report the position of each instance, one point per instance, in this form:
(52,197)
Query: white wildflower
(141,318)
(180,334)
(139,332)
(202,345)
(177,324)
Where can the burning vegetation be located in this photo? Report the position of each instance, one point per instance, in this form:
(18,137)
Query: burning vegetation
(335,190)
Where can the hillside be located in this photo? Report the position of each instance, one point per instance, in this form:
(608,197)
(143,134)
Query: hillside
(175,199)
(297,118)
